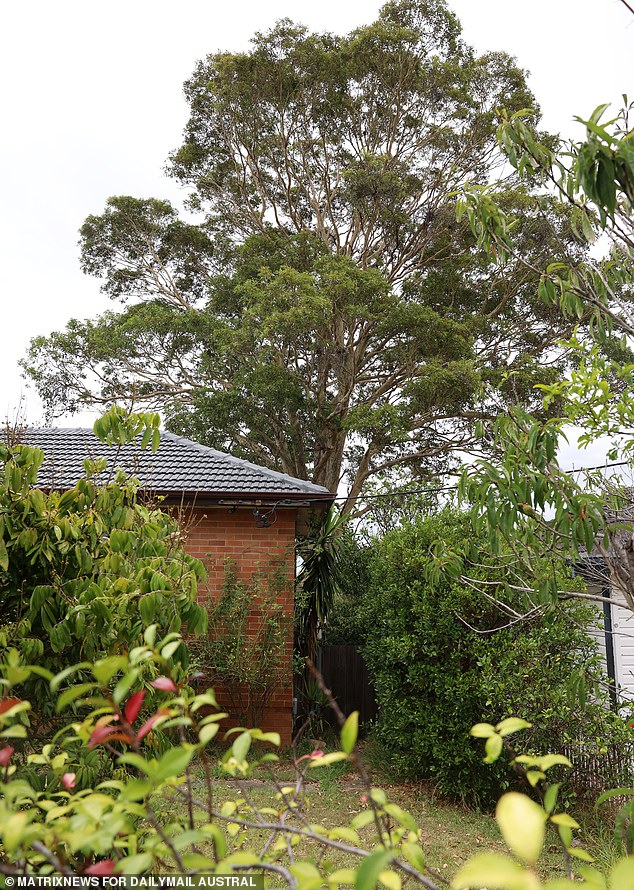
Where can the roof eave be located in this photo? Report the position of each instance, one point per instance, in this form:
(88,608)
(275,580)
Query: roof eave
(245,498)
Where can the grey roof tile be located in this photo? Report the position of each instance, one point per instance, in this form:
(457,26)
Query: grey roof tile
(178,465)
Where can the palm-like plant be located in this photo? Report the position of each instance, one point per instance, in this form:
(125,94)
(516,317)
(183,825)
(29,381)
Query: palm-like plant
(317,579)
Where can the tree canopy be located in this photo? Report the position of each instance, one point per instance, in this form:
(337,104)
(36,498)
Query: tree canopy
(325,314)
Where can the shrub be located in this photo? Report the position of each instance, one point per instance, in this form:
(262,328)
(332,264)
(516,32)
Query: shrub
(83,572)
(435,676)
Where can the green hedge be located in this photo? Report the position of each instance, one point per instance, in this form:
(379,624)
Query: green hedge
(434,677)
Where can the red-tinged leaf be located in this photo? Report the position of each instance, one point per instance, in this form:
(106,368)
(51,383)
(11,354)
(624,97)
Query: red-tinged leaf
(99,735)
(147,726)
(109,734)
(101,724)
(7,703)
(134,705)
(69,780)
(104,731)
(105,867)
(164,684)
(5,755)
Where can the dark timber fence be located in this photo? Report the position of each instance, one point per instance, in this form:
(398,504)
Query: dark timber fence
(595,770)
(346,675)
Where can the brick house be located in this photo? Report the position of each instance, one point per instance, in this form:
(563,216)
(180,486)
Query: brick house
(230,509)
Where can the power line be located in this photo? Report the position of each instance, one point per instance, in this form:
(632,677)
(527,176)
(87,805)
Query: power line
(398,493)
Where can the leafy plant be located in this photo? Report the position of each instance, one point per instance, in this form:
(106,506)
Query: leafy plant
(440,658)
(523,500)
(317,580)
(83,571)
(245,649)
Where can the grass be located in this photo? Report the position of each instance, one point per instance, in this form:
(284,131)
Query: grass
(450,834)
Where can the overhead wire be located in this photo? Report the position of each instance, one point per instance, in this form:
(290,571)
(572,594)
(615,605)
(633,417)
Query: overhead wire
(400,492)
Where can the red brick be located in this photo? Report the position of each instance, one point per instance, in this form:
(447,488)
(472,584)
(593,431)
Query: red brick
(213,535)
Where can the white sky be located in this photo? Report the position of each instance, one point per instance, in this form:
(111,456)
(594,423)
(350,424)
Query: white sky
(91,104)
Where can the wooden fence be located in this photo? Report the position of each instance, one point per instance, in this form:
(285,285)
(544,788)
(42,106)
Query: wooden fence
(596,770)
(346,675)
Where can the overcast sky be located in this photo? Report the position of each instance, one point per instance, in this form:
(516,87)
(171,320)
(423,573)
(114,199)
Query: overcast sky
(91,104)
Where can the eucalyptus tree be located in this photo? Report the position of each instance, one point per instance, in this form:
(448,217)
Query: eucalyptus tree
(325,313)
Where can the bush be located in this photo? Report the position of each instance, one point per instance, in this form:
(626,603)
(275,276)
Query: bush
(83,572)
(434,676)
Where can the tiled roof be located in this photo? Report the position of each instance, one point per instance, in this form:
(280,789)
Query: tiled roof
(179,465)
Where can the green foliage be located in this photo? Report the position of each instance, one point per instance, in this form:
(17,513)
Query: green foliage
(435,675)
(245,649)
(147,815)
(317,579)
(345,624)
(325,315)
(523,501)
(84,571)
(153,813)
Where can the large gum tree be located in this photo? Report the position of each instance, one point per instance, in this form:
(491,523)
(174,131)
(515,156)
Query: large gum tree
(320,310)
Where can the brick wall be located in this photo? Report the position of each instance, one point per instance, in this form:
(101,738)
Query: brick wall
(214,535)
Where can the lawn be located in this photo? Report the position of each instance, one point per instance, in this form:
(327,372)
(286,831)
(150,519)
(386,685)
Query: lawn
(334,795)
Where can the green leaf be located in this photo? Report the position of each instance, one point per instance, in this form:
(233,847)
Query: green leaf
(491,870)
(69,695)
(218,838)
(482,730)
(414,855)
(564,819)
(124,685)
(401,815)
(241,745)
(173,763)
(614,792)
(390,879)
(362,819)
(349,732)
(135,865)
(493,748)
(344,834)
(550,760)
(342,876)
(18,731)
(170,649)
(136,789)
(149,635)
(308,875)
(550,798)
(58,679)
(137,761)
(371,867)
(523,825)
(606,185)
(105,669)
(512,724)
(622,875)
(208,732)
(579,853)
